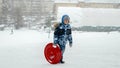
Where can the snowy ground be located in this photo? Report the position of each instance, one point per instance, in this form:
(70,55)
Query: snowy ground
(24,49)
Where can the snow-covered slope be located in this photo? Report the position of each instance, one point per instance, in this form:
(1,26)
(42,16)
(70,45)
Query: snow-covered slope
(91,16)
(25,49)
(103,1)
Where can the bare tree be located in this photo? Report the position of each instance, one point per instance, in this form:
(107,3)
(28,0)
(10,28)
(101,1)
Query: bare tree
(13,11)
(5,11)
(18,18)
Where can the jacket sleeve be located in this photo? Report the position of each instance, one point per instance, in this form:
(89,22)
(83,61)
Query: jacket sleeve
(70,35)
(70,38)
(55,37)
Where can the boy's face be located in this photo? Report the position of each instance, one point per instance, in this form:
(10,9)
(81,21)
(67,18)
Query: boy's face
(66,21)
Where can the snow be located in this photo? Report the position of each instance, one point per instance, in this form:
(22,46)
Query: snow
(90,16)
(96,1)
(103,1)
(66,1)
(25,49)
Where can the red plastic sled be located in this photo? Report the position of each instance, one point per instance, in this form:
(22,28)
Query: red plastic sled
(52,54)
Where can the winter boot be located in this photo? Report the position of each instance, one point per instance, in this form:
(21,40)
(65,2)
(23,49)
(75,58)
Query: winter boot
(61,61)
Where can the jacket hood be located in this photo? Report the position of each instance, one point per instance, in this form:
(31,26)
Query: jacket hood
(65,17)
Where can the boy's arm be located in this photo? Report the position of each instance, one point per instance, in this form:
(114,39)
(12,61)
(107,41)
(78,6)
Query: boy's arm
(55,39)
(70,39)
(56,36)
(69,32)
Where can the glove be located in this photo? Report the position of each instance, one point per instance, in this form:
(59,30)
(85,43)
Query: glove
(54,45)
(70,44)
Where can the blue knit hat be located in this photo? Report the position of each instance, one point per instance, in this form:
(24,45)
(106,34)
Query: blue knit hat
(64,17)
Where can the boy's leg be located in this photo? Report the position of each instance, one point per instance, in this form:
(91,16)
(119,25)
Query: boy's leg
(62,43)
(62,47)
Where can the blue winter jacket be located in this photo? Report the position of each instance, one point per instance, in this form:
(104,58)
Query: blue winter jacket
(62,34)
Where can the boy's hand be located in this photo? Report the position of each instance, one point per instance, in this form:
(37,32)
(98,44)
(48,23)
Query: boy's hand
(70,45)
(55,45)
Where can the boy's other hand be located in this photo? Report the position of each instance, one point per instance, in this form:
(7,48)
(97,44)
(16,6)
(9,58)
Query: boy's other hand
(70,45)
(55,45)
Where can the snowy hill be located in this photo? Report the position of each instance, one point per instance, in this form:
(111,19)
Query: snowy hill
(25,49)
(97,1)
(90,16)
(103,1)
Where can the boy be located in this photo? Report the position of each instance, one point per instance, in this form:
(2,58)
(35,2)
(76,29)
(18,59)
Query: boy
(62,34)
